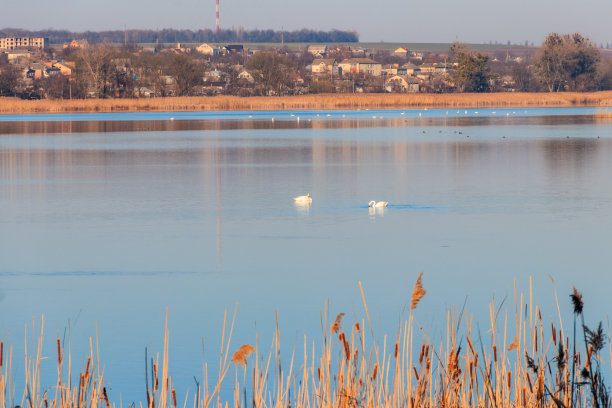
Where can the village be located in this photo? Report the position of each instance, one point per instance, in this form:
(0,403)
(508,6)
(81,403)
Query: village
(34,69)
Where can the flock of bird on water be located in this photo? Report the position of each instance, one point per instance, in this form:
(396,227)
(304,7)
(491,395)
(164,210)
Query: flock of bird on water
(307,199)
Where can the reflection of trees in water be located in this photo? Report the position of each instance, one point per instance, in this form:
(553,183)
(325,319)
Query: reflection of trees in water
(570,156)
(297,122)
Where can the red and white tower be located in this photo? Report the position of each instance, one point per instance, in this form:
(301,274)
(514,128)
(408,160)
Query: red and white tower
(217,15)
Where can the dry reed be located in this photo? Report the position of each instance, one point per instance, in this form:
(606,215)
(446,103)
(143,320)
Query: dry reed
(352,370)
(418,292)
(302,102)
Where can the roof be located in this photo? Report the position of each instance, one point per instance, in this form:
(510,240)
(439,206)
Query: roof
(359,61)
(326,61)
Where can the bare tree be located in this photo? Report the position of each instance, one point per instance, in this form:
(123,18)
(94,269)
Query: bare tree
(186,71)
(567,62)
(9,76)
(272,71)
(95,67)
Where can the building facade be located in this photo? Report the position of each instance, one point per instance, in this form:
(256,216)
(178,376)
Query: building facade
(13,43)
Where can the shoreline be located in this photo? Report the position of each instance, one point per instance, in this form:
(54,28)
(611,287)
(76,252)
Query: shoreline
(603,99)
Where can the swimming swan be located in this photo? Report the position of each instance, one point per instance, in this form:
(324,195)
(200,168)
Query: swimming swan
(303,199)
(380,204)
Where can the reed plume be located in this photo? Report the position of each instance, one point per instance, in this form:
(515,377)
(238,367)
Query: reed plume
(576,298)
(337,324)
(418,292)
(240,356)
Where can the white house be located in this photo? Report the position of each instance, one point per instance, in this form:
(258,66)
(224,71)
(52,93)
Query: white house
(323,66)
(318,50)
(361,66)
(245,75)
(207,49)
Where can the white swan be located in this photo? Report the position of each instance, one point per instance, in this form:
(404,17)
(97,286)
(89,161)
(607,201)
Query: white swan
(303,199)
(380,204)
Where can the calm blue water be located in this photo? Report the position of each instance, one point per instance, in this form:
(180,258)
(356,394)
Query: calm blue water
(107,223)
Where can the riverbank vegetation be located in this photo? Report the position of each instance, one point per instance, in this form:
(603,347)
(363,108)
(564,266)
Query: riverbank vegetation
(521,360)
(320,101)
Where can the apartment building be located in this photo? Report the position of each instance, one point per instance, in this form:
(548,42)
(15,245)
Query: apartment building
(13,43)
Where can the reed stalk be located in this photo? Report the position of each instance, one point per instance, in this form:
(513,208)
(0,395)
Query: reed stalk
(519,363)
(601,99)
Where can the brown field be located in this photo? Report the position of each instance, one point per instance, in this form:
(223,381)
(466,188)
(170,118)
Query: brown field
(516,360)
(320,101)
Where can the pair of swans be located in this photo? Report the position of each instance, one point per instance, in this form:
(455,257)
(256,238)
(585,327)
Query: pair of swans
(303,199)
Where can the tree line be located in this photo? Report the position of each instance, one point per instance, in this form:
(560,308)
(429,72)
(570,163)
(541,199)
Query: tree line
(169,35)
(564,62)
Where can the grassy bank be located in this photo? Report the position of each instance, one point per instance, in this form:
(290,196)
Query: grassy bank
(320,101)
(518,361)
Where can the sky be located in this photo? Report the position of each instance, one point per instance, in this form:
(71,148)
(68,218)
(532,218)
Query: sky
(472,21)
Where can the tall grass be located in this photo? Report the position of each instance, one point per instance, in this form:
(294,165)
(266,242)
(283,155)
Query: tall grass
(319,101)
(520,361)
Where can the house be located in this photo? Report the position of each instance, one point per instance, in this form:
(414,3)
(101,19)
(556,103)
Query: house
(54,67)
(214,75)
(396,83)
(51,71)
(23,42)
(234,48)
(410,69)
(17,55)
(440,69)
(414,86)
(400,83)
(206,49)
(318,50)
(401,52)
(246,76)
(324,66)
(418,56)
(390,69)
(77,44)
(365,66)
(144,92)
(66,67)
(427,68)
(36,71)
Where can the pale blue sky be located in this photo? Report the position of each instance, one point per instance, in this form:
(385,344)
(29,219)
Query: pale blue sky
(382,20)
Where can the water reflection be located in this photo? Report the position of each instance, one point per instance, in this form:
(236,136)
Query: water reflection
(113,126)
(376,211)
(302,207)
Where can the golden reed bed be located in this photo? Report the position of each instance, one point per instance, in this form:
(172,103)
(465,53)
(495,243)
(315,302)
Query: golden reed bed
(516,360)
(320,101)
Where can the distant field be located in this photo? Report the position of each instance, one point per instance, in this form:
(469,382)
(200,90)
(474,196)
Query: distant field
(321,101)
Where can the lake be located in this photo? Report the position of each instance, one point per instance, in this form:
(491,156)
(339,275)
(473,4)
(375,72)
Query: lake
(109,220)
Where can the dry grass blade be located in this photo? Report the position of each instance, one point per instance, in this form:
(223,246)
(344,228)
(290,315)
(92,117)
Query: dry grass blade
(240,356)
(417,293)
(337,324)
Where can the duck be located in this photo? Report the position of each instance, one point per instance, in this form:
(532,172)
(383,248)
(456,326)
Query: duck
(303,199)
(380,204)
